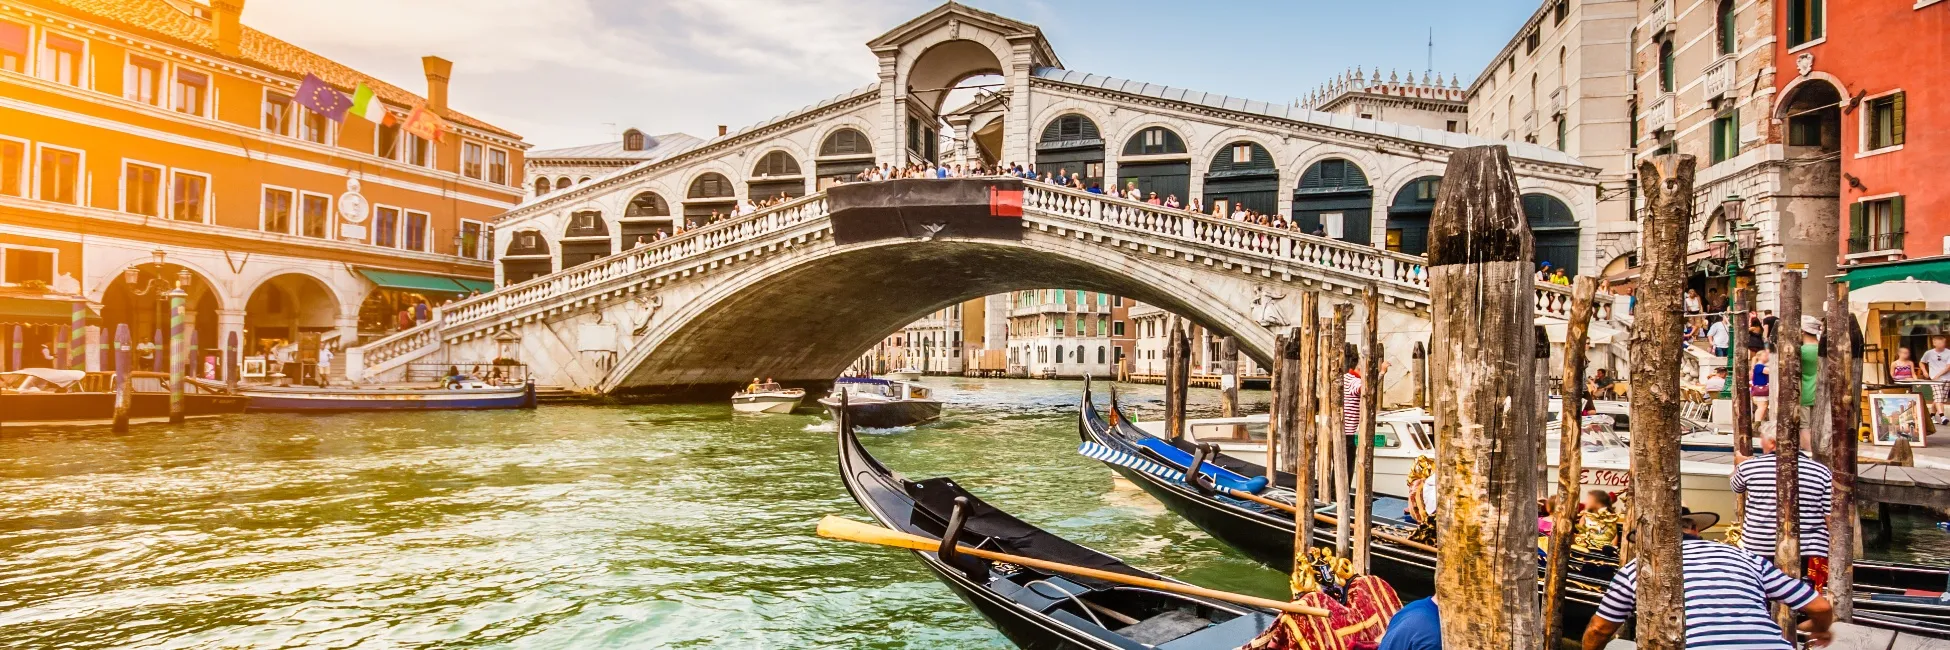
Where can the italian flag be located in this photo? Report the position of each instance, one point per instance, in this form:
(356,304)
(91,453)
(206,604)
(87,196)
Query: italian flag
(366,105)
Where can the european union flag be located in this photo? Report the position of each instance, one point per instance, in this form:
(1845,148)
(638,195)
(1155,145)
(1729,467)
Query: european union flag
(322,99)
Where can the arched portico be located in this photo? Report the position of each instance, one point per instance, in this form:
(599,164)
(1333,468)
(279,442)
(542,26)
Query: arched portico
(143,305)
(285,309)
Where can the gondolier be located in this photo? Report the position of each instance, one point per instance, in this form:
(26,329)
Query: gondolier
(1753,479)
(1727,594)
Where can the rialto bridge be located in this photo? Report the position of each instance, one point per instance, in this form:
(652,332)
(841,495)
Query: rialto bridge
(588,305)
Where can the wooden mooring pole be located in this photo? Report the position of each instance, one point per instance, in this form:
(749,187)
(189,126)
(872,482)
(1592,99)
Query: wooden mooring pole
(1300,419)
(124,394)
(1336,358)
(1276,419)
(1542,377)
(1786,388)
(1482,301)
(1667,184)
(1420,374)
(1570,456)
(1228,377)
(1178,358)
(1743,397)
(1370,403)
(1838,362)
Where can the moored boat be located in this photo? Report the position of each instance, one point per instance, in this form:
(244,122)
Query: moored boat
(328,400)
(1036,609)
(47,397)
(882,403)
(767,398)
(905,374)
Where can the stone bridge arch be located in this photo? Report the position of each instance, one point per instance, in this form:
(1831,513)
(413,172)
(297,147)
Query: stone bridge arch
(777,318)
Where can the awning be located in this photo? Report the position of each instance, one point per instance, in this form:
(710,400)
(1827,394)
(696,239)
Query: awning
(422,281)
(39,311)
(1932,269)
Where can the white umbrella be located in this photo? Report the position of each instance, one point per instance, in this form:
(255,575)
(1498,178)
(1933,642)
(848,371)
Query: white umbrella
(1933,295)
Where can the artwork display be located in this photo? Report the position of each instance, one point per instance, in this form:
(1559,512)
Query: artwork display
(1894,416)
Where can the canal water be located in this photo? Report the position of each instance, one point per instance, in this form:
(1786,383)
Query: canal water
(663,526)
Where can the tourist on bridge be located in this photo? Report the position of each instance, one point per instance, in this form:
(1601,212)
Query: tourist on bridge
(1753,477)
(1727,595)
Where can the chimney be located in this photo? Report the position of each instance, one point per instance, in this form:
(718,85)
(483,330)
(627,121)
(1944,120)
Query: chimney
(721,130)
(226,20)
(438,69)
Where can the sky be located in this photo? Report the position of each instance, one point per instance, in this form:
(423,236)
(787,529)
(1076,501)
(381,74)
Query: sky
(574,72)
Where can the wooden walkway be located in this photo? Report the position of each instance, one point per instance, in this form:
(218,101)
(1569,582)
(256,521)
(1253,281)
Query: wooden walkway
(1876,483)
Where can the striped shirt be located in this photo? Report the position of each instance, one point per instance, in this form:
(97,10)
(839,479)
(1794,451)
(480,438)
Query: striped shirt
(1726,597)
(1755,478)
(1351,404)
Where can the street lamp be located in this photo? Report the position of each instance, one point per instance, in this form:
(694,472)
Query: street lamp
(1733,245)
(132,276)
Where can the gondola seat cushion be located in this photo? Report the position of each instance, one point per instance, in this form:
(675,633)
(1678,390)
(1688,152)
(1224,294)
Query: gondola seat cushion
(1372,602)
(1224,477)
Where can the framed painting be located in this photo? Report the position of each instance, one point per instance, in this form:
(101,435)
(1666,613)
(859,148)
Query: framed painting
(1896,416)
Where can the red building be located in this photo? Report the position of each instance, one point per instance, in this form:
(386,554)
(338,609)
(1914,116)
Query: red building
(1863,83)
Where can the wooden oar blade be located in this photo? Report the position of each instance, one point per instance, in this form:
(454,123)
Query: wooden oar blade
(841,528)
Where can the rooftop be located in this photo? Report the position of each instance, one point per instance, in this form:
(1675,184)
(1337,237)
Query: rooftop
(656,147)
(163,21)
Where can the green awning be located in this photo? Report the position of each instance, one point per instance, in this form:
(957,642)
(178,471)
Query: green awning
(416,281)
(1932,269)
(39,311)
(482,286)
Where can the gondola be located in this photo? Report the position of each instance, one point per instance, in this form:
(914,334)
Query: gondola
(1037,610)
(1265,535)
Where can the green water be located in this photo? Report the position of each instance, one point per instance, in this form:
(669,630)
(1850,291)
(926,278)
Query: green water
(583,527)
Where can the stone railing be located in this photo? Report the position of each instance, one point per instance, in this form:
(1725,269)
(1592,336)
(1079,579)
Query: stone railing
(1659,19)
(1560,97)
(1720,77)
(565,284)
(1659,115)
(386,353)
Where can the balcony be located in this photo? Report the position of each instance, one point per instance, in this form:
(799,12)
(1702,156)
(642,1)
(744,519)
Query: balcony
(1509,135)
(1659,19)
(1887,242)
(1658,116)
(1530,122)
(1720,77)
(1559,98)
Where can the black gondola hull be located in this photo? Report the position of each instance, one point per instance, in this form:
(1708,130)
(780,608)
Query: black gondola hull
(886,415)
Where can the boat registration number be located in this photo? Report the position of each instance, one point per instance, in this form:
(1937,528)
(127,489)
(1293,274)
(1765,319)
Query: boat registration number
(1605,477)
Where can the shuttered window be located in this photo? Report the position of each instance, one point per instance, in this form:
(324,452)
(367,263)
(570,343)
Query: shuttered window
(1885,127)
(13,47)
(61,59)
(1805,21)
(1876,225)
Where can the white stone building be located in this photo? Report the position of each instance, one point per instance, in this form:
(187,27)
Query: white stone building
(1429,102)
(555,170)
(1564,81)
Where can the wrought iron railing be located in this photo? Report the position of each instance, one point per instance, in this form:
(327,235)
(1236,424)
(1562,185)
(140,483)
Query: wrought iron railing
(1888,241)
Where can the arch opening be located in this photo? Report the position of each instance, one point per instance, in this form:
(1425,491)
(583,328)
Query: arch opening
(646,219)
(144,307)
(1243,175)
(776,175)
(1334,198)
(1555,230)
(527,257)
(1408,215)
(585,238)
(1071,145)
(286,317)
(709,199)
(843,154)
(1155,160)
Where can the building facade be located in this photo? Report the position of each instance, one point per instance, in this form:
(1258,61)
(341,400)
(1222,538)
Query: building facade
(147,144)
(1067,333)
(1151,330)
(1430,102)
(1564,81)
(1706,78)
(555,170)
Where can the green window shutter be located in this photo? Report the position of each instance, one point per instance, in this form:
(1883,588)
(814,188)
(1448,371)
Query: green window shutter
(1814,19)
(1858,229)
(1794,11)
(1896,217)
(1896,128)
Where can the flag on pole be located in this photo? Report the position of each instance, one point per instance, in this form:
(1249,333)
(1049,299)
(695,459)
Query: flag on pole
(366,105)
(322,99)
(424,124)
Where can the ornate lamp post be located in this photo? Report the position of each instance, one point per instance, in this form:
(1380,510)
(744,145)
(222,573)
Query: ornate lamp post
(1734,245)
(155,287)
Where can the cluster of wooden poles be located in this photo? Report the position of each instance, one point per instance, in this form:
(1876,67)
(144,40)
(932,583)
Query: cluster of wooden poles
(1489,407)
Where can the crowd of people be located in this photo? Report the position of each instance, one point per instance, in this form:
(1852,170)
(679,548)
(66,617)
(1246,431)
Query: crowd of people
(1232,210)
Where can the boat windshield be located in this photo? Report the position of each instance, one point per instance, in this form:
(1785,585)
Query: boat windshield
(1599,433)
(24,383)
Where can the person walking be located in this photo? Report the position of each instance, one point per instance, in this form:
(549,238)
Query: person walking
(422,312)
(324,366)
(1936,369)
(1727,591)
(1753,479)
(1717,334)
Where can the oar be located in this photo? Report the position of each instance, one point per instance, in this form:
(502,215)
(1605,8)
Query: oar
(841,528)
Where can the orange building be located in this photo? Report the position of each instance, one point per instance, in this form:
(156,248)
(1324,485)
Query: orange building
(147,143)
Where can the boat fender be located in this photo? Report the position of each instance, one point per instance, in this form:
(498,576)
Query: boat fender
(975,568)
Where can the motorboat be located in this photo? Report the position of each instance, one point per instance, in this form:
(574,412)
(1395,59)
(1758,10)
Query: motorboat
(882,403)
(768,397)
(905,374)
(454,395)
(49,397)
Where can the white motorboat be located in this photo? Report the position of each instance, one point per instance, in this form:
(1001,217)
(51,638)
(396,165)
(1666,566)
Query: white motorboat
(904,374)
(1407,434)
(767,398)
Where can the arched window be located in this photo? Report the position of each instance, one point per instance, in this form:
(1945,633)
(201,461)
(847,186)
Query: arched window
(633,140)
(582,180)
(1728,38)
(777,163)
(647,204)
(1154,141)
(1408,215)
(711,185)
(541,186)
(587,223)
(846,142)
(1665,65)
(1068,128)
(1555,230)
(1333,198)
(527,242)
(1333,174)
(1100,354)
(562,183)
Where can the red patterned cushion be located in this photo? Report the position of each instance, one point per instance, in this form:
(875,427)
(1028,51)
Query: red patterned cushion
(1370,601)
